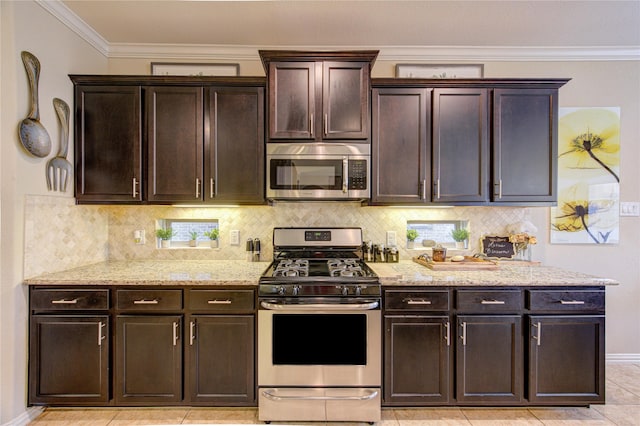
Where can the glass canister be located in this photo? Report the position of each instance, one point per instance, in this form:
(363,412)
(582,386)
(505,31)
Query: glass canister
(439,253)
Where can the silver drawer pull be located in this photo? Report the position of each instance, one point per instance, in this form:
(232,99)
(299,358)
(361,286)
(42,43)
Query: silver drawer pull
(65,301)
(492,302)
(219,302)
(572,302)
(418,302)
(145,302)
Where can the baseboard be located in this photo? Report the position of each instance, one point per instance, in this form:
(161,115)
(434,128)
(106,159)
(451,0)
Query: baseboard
(623,358)
(25,418)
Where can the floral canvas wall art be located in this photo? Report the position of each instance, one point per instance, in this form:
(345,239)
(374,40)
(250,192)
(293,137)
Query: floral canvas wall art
(588,177)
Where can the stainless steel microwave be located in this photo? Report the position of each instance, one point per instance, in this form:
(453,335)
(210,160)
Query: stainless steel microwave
(318,171)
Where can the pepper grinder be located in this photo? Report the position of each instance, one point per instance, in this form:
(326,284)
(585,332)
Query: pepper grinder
(256,250)
(249,249)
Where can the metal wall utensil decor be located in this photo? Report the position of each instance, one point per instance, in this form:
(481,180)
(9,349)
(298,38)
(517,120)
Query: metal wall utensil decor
(33,135)
(588,177)
(178,68)
(59,169)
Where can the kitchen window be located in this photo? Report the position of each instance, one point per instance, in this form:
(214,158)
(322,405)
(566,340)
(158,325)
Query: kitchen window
(438,231)
(184,231)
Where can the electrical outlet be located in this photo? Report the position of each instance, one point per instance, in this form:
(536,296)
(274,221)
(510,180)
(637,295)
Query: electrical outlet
(138,236)
(391,238)
(235,237)
(630,208)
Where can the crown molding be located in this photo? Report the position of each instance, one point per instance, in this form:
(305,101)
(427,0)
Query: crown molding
(61,12)
(387,53)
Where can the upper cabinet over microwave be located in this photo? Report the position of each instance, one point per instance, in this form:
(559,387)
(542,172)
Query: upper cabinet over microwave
(318,96)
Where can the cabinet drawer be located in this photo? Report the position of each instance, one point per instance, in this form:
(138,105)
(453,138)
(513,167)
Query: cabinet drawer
(148,300)
(431,300)
(489,300)
(221,300)
(68,300)
(566,300)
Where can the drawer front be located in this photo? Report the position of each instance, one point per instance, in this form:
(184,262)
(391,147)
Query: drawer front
(222,300)
(481,301)
(69,300)
(428,300)
(148,300)
(566,300)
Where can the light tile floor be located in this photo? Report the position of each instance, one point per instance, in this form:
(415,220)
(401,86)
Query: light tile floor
(622,408)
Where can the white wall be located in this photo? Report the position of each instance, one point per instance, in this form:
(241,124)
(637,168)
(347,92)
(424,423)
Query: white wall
(27,26)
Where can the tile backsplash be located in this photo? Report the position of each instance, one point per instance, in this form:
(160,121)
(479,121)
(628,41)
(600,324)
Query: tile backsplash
(60,235)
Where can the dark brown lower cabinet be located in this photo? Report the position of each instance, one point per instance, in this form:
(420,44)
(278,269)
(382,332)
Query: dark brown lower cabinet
(566,359)
(148,359)
(69,360)
(221,359)
(489,359)
(417,354)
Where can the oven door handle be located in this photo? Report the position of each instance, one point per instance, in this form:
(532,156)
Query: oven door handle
(270,395)
(321,306)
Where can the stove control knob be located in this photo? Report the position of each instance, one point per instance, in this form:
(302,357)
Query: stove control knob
(296,290)
(345,290)
(281,290)
(358,291)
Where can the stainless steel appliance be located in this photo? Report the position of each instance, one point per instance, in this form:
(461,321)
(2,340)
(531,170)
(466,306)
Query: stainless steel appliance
(312,171)
(319,329)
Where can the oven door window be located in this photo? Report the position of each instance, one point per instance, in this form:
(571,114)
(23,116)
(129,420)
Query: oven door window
(320,339)
(326,174)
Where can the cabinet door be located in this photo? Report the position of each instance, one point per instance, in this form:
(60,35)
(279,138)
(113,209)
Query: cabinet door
(525,147)
(108,144)
(460,145)
(345,100)
(417,360)
(400,148)
(221,359)
(69,360)
(566,359)
(489,359)
(174,143)
(292,100)
(234,145)
(148,359)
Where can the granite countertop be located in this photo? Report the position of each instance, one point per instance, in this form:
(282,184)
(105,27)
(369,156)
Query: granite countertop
(239,272)
(409,273)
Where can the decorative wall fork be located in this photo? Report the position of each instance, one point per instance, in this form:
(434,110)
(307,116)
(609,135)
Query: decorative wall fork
(59,169)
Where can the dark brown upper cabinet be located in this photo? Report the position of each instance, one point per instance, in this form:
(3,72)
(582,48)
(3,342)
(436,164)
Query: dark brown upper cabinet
(175,143)
(525,148)
(108,144)
(460,145)
(318,96)
(401,149)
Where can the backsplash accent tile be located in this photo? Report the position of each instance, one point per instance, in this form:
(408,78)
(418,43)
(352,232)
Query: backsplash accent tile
(60,234)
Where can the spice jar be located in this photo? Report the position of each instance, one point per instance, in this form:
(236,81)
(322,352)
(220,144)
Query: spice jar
(439,253)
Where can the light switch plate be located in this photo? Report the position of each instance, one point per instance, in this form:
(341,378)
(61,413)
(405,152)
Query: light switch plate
(630,208)
(235,237)
(391,238)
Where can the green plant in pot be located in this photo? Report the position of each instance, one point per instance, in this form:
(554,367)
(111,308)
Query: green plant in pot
(165,235)
(460,235)
(193,238)
(412,234)
(213,236)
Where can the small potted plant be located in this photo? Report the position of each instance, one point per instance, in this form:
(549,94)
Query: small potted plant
(193,238)
(213,236)
(412,234)
(460,235)
(165,236)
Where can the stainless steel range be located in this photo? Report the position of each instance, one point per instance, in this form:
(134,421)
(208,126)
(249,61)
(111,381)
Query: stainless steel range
(319,329)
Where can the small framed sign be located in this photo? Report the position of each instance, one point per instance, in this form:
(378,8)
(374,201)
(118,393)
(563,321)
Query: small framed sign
(499,247)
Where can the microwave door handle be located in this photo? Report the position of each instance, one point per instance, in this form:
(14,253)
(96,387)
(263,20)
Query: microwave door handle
(345,174)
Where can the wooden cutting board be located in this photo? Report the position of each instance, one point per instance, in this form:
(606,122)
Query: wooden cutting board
(469,264)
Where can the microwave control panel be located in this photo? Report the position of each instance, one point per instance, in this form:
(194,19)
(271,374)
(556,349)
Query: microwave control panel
(357,174)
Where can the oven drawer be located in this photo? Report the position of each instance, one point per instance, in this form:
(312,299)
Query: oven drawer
(481,301)
(222,300)
(148,300)
(69,300)
(430,300)
(565,300)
